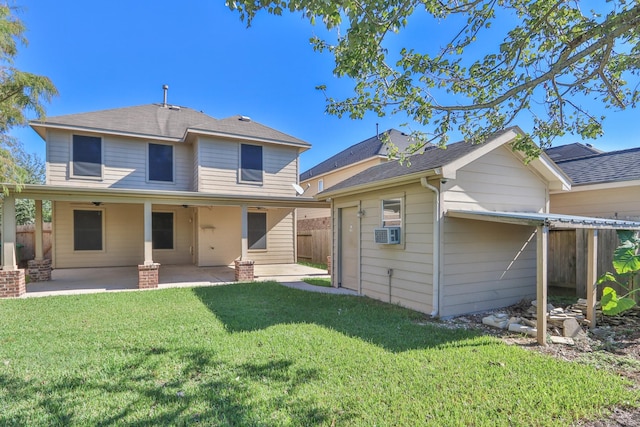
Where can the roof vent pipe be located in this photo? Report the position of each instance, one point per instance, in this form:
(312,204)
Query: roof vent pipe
(377,131)
(165,89)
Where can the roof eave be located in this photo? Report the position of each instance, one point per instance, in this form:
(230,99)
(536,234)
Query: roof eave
(376,185)
(39,127)
(609,185)
(302,145)
(555,176)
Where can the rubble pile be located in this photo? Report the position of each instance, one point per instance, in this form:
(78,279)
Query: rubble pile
(563,324)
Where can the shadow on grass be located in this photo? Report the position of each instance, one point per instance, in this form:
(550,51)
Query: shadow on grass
(255,306)
(204,391)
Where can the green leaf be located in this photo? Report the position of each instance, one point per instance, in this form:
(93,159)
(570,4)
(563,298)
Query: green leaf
(612,305)
(625,260)
(606,277)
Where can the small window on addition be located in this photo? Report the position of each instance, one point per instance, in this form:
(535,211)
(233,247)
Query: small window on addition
(320,185)
(392,213)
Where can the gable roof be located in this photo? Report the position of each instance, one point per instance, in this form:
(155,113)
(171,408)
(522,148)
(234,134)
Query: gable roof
(443,162)
(371,147)
(613,166)
(571,151)
(166,122)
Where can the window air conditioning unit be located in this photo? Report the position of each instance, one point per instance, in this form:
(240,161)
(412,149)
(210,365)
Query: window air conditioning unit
(387,235)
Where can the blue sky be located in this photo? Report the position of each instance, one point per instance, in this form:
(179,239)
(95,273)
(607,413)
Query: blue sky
(109,54)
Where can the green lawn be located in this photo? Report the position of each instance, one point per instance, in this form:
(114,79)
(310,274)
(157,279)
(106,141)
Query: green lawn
(318,281)
(265,355)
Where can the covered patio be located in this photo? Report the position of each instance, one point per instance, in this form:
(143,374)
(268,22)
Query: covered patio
(73,281)
(543,222)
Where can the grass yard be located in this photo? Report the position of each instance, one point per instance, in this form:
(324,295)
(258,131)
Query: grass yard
(266,355)
(318,281)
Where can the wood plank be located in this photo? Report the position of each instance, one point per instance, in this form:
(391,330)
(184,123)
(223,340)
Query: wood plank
(543,245)
(592,273)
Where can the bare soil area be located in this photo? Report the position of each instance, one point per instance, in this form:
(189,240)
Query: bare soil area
(614,344)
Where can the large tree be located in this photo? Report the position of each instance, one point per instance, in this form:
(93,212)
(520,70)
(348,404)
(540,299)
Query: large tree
(21,93)
(477,66)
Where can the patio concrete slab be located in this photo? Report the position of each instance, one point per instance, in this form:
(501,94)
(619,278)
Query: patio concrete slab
(91,280)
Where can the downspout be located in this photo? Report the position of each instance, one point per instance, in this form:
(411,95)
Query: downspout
(436,247)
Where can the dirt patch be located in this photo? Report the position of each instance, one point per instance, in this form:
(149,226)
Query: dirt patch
(613,344)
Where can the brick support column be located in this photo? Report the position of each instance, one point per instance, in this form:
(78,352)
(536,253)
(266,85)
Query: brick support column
(39,270)
(244,271)
(148,276)
(12,283)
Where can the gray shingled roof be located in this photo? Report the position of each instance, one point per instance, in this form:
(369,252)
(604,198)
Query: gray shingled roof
(613,166)
(571,151)
(363,150)
(433,157)
(156,120)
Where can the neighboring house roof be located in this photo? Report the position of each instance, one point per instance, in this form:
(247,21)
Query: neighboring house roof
(444,161)
(371,147)
(613,166)
(571,151)
(163,122)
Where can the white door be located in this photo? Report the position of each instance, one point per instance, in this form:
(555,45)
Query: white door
(349,245)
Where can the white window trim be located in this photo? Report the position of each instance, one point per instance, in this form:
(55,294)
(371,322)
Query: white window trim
(73,231)
(403,219)
(84,177)
(173,165)
(240,180)
(320,185)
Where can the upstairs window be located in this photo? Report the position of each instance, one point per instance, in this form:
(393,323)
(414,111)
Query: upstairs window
(160,162)
(250,163)
(87,230)
(162,230)
(87,156)
(320,185)
(257,225)
(392,213)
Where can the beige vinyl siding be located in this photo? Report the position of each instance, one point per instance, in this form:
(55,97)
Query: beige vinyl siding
(182,237)
(306,213)
(280,239)
(196,166)
(124,164)
(123,243)
(623,203)
(332,178)
(486,265)
(219,236)
(123,236)
(498,181)
(411,261)
(219,166)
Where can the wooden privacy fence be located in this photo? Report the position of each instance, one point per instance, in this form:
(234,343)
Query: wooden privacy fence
(314,240)
(314,246)
(26,237)
(567,261)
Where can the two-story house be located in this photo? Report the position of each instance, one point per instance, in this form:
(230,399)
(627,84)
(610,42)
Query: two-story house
(160,184)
